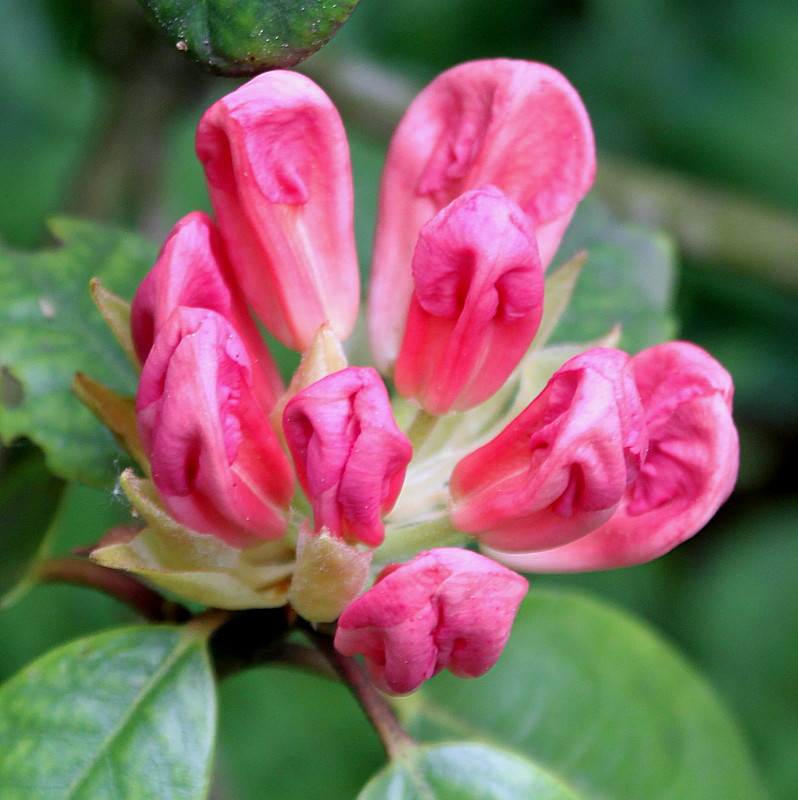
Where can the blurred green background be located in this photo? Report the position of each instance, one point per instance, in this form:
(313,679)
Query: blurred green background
(695,108)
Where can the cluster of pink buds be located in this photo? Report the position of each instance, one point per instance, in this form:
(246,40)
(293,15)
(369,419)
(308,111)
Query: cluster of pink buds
(256,494)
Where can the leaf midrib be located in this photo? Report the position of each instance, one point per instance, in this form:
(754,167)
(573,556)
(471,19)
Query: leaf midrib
(437,713)
(184,645)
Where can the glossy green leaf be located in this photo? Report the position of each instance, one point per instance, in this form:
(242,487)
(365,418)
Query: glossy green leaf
(739,613)
(245,37)
(464,771)
(596,698)
(129,713)
(628,279)
(29,498)
(50,329)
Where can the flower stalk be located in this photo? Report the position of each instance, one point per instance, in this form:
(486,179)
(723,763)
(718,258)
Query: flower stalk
(393,736)
(122,586)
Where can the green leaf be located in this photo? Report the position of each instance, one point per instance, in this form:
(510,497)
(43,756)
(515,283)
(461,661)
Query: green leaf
(290,735)
(628,280)
(596,698)
(464,771)
(50,329)
(129,713)
(746,635)
(245,37)
(29,498)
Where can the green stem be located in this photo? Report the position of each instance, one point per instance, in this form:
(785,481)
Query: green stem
(424,536)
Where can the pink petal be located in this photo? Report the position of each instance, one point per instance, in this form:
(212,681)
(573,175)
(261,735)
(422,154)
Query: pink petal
(277,164)
(448,608)
(216,462)
(690,469)
(517,125)
(561,468)
(192,271)
(349,454)
(477,302)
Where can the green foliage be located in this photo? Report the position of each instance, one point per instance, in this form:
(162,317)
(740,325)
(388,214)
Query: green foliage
(464,771)
(49,104)
(128,713)
(290,735)
(50,329)
(744,601)
(29,498)
(245,37)
(627,279)
(594,697)
(664,83)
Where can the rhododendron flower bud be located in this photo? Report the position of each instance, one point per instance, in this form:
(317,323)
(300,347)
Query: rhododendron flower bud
(192,271)
(277,164)
(476,306)
(561,467)
(517,125)
(447,608)
(688,473)
(216,462)
(349,454)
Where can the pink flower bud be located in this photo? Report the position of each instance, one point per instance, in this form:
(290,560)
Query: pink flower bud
(349,454)
(216,462)
(561,467)
(476,306)
(192,271)
(688,473)
(277,164)
(447,608)
(516,125)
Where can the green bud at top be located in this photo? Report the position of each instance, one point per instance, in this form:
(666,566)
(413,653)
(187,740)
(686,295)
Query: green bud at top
(246,37)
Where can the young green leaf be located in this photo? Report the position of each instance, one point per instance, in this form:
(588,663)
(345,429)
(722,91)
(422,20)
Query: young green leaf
(50,329)
(595,697)
(128,713)
(245,37)
(464,771)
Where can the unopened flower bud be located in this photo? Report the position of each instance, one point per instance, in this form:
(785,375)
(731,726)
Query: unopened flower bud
(688,473)
(216,462)
(561,468)
(192,271)
(476,306)
(516,125)
(277,164)
(349,454)
(448,608)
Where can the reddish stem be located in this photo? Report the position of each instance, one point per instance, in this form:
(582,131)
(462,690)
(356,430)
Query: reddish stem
(120,585)
(393,736)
